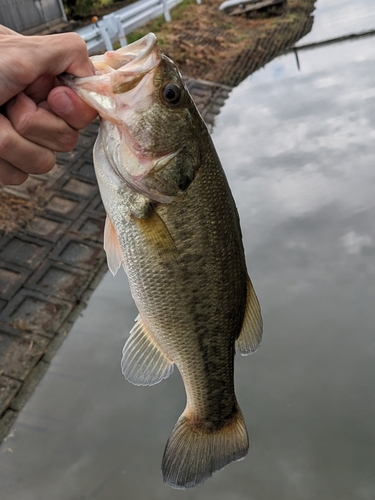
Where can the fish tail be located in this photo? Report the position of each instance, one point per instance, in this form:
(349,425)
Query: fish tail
(194,452)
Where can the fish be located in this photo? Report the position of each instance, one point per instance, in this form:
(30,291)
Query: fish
(172,224)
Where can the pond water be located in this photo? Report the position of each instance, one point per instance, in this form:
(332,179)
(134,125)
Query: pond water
(298,147)
(337,18)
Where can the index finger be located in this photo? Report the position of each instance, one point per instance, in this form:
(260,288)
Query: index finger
(23,59)
(67,54)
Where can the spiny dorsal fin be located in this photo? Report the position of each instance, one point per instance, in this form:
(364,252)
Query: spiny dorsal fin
(143,362)
(112,247)
(252,327)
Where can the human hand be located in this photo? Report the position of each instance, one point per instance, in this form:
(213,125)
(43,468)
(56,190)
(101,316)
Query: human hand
(39,116)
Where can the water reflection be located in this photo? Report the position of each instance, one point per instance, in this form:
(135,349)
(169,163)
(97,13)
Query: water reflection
(299,151)
(304,181)
(336,18)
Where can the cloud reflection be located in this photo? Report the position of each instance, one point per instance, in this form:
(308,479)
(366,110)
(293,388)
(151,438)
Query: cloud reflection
(299,150)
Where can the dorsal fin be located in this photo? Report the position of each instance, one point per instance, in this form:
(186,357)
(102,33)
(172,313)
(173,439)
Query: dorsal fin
(252,326)
(112,247)
(143,362)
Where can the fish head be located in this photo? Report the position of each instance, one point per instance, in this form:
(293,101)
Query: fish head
(153,127)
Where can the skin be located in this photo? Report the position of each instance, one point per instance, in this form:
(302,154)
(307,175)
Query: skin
(38,116)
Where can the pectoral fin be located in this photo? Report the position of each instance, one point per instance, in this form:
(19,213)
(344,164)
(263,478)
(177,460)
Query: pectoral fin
(143,362)
(157,234)
(252,327)
(112,247)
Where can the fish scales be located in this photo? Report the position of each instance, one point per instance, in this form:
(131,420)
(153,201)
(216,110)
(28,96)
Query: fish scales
(173,225)
(200,295)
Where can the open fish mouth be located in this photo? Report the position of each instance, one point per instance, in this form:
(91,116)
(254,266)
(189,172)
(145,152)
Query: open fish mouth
(117,72)
(121,90)
(136,52)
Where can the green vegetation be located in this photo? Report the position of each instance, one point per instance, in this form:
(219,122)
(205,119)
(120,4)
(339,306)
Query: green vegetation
(76,9)
(178,11)
(154,26)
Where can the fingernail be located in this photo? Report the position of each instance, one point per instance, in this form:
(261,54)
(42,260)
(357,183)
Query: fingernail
(62,102)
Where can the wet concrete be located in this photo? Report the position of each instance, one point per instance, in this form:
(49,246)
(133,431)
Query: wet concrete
(51,254)
(298,148)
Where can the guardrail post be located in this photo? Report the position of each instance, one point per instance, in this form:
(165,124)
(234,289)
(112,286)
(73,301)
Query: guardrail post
(167,15)
(121,32)
(114,26)
(104,34)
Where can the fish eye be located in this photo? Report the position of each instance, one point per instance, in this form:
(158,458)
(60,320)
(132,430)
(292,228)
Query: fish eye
(171,94)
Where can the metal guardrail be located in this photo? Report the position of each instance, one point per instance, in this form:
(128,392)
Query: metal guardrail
(114,27)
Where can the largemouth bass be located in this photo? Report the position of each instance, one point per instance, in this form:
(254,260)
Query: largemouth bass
(173,225)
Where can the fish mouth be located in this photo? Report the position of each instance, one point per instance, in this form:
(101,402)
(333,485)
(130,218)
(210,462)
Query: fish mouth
(136,52)
(114,91)
(117,72)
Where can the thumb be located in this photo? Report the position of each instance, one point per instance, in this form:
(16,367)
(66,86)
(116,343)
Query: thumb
(65,103)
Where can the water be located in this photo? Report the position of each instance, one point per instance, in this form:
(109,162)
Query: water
(299,151)
(337,18)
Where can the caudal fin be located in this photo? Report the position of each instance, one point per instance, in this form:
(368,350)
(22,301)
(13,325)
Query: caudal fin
(193,454)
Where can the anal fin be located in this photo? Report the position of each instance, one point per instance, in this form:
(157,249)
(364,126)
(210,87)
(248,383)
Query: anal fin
(143,362)
(252,327)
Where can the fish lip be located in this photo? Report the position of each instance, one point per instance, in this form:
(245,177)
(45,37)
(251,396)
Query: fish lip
(140,49)
(127,63)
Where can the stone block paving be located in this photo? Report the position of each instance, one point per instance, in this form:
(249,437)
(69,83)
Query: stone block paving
(49,266)
(51,262)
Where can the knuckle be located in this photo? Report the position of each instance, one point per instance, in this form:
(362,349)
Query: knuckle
(42,164)
(17,179)
(25,124)
(7,142)
(46,164)
(77,42)
(10,175)
(67,141)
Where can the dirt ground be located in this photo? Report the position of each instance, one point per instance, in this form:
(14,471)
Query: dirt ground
(14,212)
(211,45)
(208,44)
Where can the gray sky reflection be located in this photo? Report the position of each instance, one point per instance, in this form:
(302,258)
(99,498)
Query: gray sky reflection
(336,18)
(303,177)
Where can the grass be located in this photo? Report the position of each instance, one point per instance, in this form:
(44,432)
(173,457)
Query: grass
(204,42)
(157,24)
